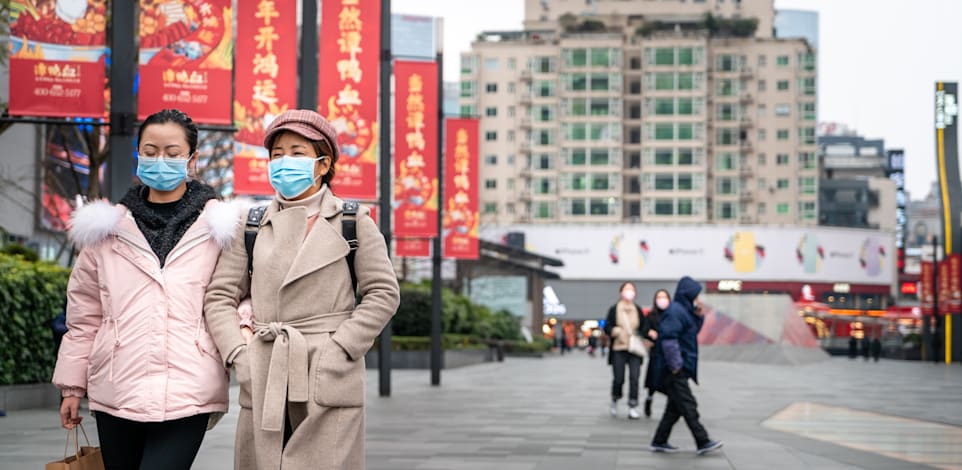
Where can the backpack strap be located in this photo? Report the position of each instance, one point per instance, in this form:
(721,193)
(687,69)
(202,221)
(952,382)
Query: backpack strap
(252,225)
(349,232)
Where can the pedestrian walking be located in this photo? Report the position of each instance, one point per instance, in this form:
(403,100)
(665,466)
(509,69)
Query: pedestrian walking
(136,345)
(625,320)
(659,305)
(852,347)
(876,348)
(677,362)
(866,347)
(302,374)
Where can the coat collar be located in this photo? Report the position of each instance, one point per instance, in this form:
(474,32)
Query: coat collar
(331,205)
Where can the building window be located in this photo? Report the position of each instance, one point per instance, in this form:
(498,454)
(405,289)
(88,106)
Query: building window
(511,87)
(575,57)
(762,184)
(782,183)
(807,111)
(578,207)
(599,82)
(544,186)
(782,85)
(686,131)
(665,81)
(782,159)
(762,112)
(579,181)
(782,208)
(807,62)
(781,61)
(512,63)
(726,136)
(543,210)
(685,207)
(807,161)
(491,136)
(726,161)
(806,86)
(544,64)
(600,157)
(600,57)
(578,157)
(686,106)
(807,135)
(686,56)
(599,182)
(685,182)
(807,210)
(468,64)
(783,110)
(762,60)
(467,89)
(510,111)
(664,207)
(664,106)
(491,184)
(634,209)
(491,208)
(726,186)
(761,208)
(686,157)
(664,157)
(664,182)
(762,135)
(602,207)
(725,112)
(782,134)
(545,88)
(726,210)
(664,131)
(664,56)
(491,112)
(761,159)
(727,87)
(545,162)
(727,63)
(510,183)
(467,110)
(761,86)
(491,64)
(807,185)
(491,160)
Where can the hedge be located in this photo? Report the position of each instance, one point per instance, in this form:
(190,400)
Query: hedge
(31,295)
(459,316)
(423,343)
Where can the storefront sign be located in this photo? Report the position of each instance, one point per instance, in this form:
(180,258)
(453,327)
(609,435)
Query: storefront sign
(348,91)
(415,149)
(186,56)
(729,286)
(57,58)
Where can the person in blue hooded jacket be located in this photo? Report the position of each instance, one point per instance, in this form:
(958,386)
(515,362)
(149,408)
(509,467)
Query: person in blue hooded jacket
(678,362)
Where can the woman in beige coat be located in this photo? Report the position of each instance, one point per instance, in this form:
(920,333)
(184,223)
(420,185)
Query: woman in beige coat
(302,374)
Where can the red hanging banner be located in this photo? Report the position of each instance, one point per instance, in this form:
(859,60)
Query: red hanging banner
(265,86)
(415,149)
(954,298)
(461,189)
(57,58)
(186,54)
(927,286)
(413,247)
(348,91)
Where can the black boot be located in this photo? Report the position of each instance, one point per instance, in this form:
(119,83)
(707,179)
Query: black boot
(648,407)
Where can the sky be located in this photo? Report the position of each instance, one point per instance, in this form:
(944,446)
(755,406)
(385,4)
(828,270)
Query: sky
(878,63)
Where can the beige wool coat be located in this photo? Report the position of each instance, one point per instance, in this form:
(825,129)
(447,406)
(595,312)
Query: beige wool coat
(307,355)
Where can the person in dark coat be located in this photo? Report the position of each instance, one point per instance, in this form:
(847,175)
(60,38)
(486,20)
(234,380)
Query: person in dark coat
(624,319)
(676,363)
(866,347)
(876,348)
(852,348)
(660,303)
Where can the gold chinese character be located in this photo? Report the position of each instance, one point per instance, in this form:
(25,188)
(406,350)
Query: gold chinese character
(350,42)
(168,75)
(416,83)
(265,38)
(348,96)
(415,140)
(462,136)
(266,11)
(183,76)
(265,91)
(211,22)
(266,64)
(349,69)
(349,19)
(415,120)
(461,181)
(40,69)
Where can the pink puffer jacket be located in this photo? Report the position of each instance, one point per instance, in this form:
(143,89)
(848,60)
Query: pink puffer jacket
(137,341)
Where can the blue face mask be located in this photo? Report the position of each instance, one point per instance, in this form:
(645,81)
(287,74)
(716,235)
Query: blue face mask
(291,176)
(162,174)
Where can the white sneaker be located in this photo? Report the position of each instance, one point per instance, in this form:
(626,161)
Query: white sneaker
(613,409)
(633,413)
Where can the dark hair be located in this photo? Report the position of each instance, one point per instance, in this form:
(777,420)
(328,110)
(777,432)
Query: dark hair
(654,300)
(625,284)
(175,116)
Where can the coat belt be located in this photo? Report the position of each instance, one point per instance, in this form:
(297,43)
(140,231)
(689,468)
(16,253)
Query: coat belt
(287,374)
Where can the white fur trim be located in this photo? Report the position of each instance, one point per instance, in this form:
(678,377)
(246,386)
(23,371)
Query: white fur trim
(93,223)
(223,218)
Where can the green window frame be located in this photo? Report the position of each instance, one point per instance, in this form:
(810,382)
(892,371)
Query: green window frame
(686,157)
(782,85)
(578,207)
(579,107)
(664,131)
(782,61)
(664,207)
(665,56)
(664,157)
(664,106)
(578,57)
(686,131)
(685,182)
(600,57)
(599,82)
(686,81)
(685,206)
(807,111)
(782,134)
(686,106)
(579,181)
(600,107)
(665,81)
(782,208)
(664,182)
(686,56)
(599,157)
(579,157)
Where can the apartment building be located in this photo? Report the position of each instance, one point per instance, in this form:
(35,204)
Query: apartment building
(644,111)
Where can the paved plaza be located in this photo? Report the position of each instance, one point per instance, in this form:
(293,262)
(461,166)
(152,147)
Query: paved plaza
(552,414)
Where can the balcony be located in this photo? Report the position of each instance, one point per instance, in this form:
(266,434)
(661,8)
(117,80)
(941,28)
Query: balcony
(746,171)
(526,75)
(526,147)
(747,121)
(525,99)
(746,72)
(746,97)
(746,146)
(525,172)
(524,218)
(746,195)
(526,123)
(746,219)
(524,195)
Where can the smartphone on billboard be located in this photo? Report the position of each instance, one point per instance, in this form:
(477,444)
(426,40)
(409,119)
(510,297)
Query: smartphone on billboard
(744,252)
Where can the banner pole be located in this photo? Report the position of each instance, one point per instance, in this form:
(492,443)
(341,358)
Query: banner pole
(386,187)
(436,352)
(123,65)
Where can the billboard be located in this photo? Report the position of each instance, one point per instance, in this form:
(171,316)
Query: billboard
(460,230)
(947,162)
(267,55)
(415,199)
(348,95)
(749,253)
(57,57)
(186,58)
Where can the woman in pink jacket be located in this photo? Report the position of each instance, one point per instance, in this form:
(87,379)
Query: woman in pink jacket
(137,345)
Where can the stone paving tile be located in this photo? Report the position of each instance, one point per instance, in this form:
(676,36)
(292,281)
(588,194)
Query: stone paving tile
(551,414)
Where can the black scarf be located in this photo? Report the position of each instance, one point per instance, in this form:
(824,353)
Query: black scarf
(163,233)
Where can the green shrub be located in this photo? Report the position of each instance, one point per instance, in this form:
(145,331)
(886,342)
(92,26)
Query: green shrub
(459,316)
(31,295)
(14,249)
